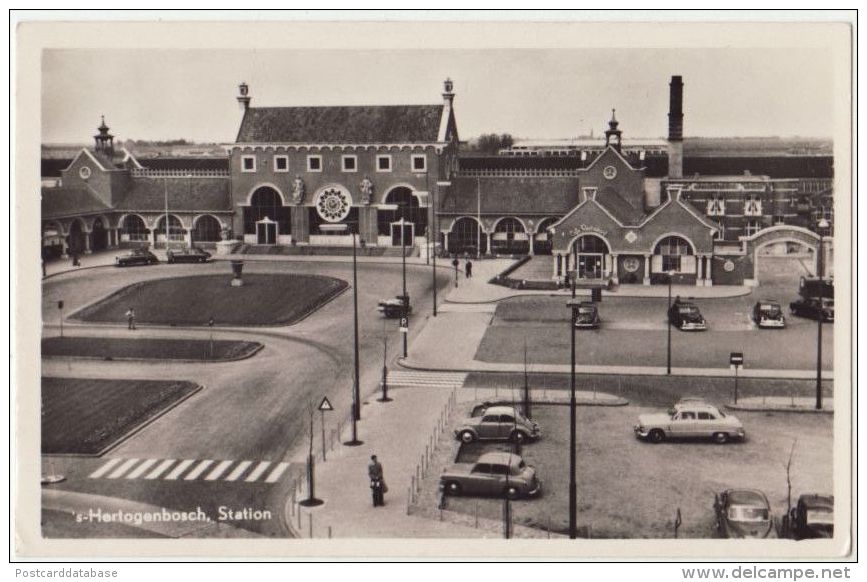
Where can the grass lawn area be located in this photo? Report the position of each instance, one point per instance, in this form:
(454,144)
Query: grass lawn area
(264,299)
(148,348)
(85,416)
(631,489)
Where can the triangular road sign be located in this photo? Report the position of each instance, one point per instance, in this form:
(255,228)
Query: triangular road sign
(325,405)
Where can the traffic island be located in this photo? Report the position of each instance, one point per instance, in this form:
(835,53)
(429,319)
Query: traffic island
(90,416)
(801,404)
(264,299)
(190,350)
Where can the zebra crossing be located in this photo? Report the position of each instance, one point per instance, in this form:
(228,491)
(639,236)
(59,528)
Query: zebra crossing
(413,378)
(190,470)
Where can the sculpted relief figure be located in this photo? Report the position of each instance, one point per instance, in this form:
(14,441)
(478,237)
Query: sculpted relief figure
(366,190)
(297,190)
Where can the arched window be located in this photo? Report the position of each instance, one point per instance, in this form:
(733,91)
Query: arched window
(176,229)
(509,237)
(672,249)
(466,236)
(207,229)
(266,202)
(407,206)
(590,244)
(543,237)
(134,227)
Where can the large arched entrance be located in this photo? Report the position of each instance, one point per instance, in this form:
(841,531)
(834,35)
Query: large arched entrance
(401,203)
(544,240)
(783,254)
(266,218)
(466,237)
(206,229)
(75,240)
(510,237)
(673,254)
(98,236)
(589,257)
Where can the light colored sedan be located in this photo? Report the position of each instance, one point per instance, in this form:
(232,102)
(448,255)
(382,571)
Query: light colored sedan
(690,421)
(498,423)
(493,474)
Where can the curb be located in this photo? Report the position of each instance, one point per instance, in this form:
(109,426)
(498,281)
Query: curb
(246,356)
(777,408)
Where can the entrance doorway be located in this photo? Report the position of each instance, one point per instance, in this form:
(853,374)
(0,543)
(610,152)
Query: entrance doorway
(266,232)
(408,234)
(589,266)
(590,251)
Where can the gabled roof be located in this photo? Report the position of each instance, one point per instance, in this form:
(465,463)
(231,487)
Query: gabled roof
(184,194)
(62,202)
(619,207)
(352,124)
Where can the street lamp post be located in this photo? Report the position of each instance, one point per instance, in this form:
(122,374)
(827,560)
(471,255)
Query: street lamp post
(573,486)
(820,267)
(668,315)
(404,298)
(434,257)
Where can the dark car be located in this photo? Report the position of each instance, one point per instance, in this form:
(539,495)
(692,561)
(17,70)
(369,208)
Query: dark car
(686,316)
(394,307)
(767,313)
(814,308)
(187,255)
(136,257)
(743,513)
(813,517)
(587,316)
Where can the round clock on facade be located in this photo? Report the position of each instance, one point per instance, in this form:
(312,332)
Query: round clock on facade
(333,204)
(609,172)
(84,172)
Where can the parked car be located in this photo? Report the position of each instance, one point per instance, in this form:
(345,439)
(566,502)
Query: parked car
(497,474)
(392,308)
(743,513)
(768,313)
(498,423)
(187,255)
(687,401)
(814,308)
(685,316)
(690,420)
(587,316)
(136,257)
(813,517)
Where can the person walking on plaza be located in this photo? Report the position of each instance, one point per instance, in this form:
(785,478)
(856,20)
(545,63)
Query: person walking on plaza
(130,318)
(468,270)
(377,481)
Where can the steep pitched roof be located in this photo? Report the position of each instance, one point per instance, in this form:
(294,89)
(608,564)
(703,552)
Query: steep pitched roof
(619,207)
(61,202)
(354,124)
(532,195)
(184,194)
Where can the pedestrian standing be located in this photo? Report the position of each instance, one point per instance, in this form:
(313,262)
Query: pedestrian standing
(130,318)
(468,270)
(455,263)
(377,481)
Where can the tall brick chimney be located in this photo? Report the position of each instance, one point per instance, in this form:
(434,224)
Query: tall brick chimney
(675,127)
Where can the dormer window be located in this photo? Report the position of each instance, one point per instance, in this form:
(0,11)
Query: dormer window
(716,206)
(753,206)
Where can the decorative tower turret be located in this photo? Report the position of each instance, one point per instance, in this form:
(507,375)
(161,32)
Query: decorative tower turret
(612,134)
(104,140)
(244,96)
(675,127)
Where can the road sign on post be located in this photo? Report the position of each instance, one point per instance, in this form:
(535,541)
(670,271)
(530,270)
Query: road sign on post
(736,360)
(60,307)
(404,325)
(324,406)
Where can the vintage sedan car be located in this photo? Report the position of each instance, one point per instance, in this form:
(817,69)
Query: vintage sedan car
(136,257)
(743,513)
(496,474)
(498,423)
(587,316)
(690,421)
(814,308)
(813,517)
(685,316)
(767,313)
(687,401)
(392,308)
(187,255)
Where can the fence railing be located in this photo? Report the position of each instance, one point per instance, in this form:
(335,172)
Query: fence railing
(146,173)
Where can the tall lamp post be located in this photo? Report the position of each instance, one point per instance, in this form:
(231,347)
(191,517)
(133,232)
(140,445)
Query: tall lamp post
(668,315)
(356,383)
(573,304)
(434,257)
(404,298)
(820,268)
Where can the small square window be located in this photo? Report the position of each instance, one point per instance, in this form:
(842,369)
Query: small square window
(350,164)
(419,163)
(281,163)
(314,163)
(248,163)
(383,163)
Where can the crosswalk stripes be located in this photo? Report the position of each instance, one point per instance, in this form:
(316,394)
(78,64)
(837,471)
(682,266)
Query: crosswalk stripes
(191,470)
(412,378)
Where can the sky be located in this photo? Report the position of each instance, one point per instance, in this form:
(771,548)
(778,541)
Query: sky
(170,94)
